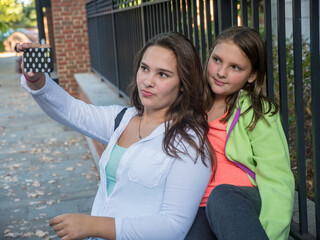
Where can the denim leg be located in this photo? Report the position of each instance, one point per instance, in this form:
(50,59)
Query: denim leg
(200,229)
(233,213)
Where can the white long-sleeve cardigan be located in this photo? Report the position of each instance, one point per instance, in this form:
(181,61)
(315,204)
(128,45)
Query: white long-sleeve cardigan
(156,196)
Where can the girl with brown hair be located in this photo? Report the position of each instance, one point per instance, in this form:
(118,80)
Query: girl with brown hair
(157,163)
(250,195)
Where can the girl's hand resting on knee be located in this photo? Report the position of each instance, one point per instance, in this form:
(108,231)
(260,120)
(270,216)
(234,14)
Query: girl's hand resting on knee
(71,226)
(74,226)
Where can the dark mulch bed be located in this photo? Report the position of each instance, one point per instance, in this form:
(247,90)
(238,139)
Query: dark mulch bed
(308,155)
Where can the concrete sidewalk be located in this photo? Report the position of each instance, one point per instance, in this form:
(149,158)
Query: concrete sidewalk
(45,168)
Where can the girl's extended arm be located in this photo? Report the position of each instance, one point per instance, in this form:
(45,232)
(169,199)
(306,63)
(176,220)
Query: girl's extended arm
(96,122)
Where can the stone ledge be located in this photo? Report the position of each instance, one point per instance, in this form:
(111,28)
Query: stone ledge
(99,92)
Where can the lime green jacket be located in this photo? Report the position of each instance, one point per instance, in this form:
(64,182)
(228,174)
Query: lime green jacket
(265,152)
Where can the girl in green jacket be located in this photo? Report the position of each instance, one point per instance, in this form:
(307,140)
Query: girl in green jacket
(251,192)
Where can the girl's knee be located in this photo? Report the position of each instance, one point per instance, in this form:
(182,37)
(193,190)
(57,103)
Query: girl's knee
(217,199)
(227,197)
(220,193)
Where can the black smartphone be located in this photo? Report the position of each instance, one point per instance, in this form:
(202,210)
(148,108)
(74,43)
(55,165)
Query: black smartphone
(38,60)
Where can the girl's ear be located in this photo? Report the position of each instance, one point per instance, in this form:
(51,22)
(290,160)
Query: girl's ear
(252,77)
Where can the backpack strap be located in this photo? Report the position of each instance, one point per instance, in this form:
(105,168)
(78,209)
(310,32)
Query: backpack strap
(119,118)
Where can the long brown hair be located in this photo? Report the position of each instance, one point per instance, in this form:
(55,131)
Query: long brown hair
(187,111)
(253,46)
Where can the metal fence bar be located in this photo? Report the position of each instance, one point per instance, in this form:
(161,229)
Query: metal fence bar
(299,112)
(244,12)
(164,17)
(154,28)
(147,22)
(127,24)
(255,14)
(282,66)
(223,15)
(209,26)
(160,17)
(168,16)
(174,15)
(234,12)
(215,17)
(98,44)
(107,62)
(157,23)
(268,40)
(179,27)
(315,86)
(195,21)
(94,53)
(189,6)
(149,9)
(202,33)
(184,17)
(144,22)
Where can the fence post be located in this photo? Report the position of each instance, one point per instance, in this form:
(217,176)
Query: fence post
(268,41)
(283,88)
(315,86)
(224,15)
(299,111)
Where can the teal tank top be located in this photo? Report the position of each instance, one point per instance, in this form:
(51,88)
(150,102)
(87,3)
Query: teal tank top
(112,166)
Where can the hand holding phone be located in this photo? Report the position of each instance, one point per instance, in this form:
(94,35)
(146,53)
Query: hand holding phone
(38,60)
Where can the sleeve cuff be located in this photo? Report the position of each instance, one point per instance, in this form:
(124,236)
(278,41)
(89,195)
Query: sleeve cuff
(42,90)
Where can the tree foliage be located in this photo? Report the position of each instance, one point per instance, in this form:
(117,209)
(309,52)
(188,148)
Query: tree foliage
(29,18)
(14,15)
(11,13)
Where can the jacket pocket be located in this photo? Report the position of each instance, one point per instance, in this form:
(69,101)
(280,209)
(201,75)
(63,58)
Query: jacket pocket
(148,169)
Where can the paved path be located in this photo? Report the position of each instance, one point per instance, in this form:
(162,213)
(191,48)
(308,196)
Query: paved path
(45,168)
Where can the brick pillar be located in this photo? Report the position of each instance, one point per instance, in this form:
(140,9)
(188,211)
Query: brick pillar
(71,41)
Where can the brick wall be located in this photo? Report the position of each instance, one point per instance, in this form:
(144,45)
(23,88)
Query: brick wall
(71,41)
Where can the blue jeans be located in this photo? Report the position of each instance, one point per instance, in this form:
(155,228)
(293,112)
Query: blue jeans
(231,213)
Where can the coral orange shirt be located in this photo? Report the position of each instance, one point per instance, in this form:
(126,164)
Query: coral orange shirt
(227,172)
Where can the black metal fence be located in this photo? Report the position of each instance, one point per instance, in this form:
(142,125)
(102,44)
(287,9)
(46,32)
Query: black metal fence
(119,28)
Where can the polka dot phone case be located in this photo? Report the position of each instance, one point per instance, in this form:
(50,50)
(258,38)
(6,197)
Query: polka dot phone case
(38,60)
